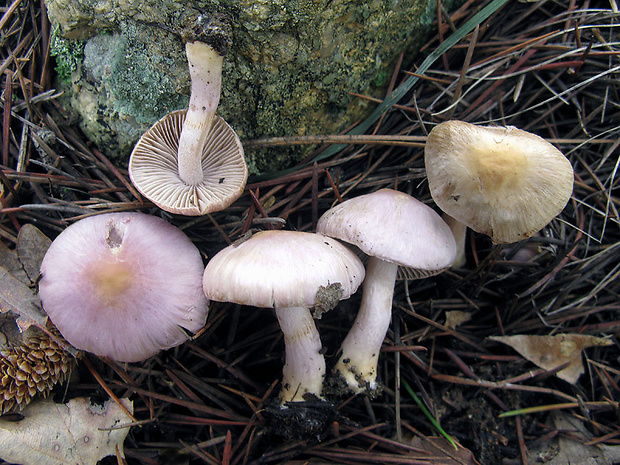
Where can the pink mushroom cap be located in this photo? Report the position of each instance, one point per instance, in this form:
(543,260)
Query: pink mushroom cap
(393,227)
(123,285)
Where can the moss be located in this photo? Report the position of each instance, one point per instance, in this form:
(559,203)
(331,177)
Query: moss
(68,54)
(380,79)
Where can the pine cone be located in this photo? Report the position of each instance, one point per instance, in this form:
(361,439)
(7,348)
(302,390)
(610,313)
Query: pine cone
(32,367)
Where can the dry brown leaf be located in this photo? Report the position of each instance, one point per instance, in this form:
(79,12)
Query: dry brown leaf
(25,370)
(59,434)
(550,352)
(19,269)
(21,300)
(32,245)
(10,262)
(455,318)
(571,448)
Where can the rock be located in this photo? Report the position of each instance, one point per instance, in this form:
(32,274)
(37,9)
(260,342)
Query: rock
(292,63)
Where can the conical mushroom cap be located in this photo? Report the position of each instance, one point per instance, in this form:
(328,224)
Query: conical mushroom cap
(500,181)
(154,171)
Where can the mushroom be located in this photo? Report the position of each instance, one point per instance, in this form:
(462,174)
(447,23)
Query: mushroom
(123,285)
(191,161)
(291,272)
(393,229)
(460,235)
(500,181)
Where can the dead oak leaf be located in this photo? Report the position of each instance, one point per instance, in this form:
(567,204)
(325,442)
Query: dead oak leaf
(456,318)
(10,262)
(77,433)
(32,245)
(550,352)
(19,269)
(20,300)
(571,446)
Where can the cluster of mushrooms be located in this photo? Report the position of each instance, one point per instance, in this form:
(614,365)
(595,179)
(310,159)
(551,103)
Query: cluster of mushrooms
(127,285)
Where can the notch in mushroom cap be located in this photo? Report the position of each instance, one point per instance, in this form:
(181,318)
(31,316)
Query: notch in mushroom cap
(191,162)
(291,272)
(500,181)
(394,229)
(123,285)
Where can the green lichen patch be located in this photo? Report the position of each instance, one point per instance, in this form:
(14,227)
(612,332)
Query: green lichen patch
(139,80)
(67,53)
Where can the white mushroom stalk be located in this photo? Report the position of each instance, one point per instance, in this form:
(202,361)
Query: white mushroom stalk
(393,229)
(191,161)
(291,272)
(460,235)
(304,370)
(360,349)
(205,69)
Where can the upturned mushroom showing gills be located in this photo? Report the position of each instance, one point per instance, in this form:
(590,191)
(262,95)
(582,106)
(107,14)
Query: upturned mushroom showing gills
(290,272)
(123,285)
(500,181)
(191,161)
(393,229)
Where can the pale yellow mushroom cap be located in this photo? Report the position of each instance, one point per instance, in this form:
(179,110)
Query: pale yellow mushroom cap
(500,181)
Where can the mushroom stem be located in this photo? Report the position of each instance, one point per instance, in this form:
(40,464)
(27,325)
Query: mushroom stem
(360,349)
(304,370)
(460,235)
(205,69)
